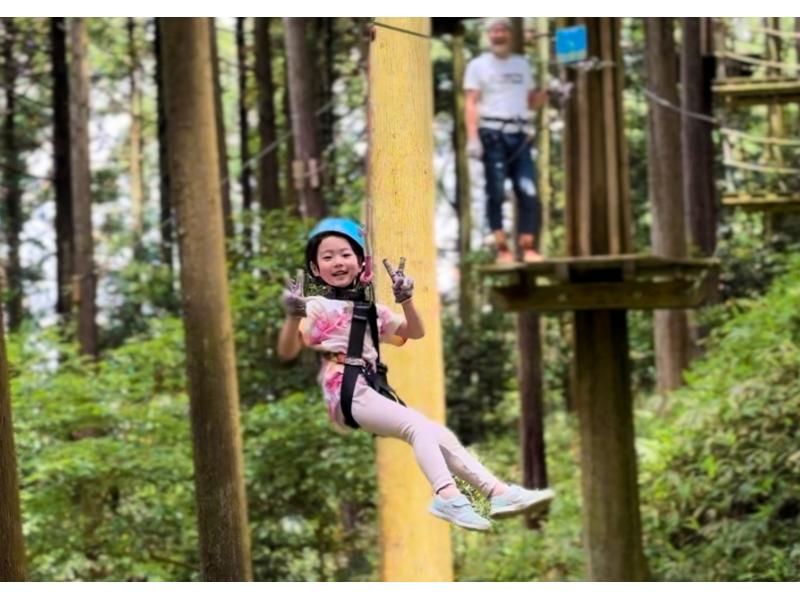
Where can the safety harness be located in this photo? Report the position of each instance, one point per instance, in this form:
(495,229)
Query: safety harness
(354,364)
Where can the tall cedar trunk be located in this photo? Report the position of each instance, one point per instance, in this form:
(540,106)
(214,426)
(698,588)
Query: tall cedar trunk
(598,223)
(696,141)
(12,545)
(292,196)
(85,282)
(10,176)
(222,148)
(165,202)
(529,372)
(306,165)
(543,128)
(269,194)
(244,137)
(211,365)
(135,136)
(324,31)
(401,181)
(466,288)
(671,327)
(62,167)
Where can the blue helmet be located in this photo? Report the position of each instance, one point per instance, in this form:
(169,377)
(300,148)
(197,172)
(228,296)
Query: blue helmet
(344,227)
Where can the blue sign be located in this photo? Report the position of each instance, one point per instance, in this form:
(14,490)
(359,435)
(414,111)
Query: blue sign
(571,44)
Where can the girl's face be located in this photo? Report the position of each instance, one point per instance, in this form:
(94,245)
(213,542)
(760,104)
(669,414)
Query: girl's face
(337,264)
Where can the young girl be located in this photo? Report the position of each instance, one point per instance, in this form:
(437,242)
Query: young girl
(335,258)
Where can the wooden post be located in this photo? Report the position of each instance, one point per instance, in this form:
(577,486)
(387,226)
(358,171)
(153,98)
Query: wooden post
(696,141)
(414,545)
(466,288)
(671,327)
(12,544)
(211,364)
(598,223)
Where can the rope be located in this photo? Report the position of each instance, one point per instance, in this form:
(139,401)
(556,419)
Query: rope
(667,104)
(401,30)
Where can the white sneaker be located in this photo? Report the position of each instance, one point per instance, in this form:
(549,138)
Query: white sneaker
(517,500)
(458,511)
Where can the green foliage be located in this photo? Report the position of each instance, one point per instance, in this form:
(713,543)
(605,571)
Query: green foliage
(720,477)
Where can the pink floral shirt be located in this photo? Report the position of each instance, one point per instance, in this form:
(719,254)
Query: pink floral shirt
(326,327)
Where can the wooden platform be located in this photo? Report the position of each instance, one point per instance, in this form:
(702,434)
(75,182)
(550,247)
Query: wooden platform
(602,282)
(744,90)
(763,202)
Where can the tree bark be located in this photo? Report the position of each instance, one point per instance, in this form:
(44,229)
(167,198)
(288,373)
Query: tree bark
(62,168)
(12,544)
(135,135)
(244,137)
(697,145)
(598,223)
(11,197)
(211,365)
(268,188)
(165,202)
(84,286)
(413,547)
(466,288)
(307,162)
(529,371)
(671,327)
(222,147)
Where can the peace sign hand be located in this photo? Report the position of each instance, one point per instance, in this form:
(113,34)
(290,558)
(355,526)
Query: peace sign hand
(294,302)
(402,285)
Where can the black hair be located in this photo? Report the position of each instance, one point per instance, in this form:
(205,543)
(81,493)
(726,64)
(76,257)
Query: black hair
(313,247)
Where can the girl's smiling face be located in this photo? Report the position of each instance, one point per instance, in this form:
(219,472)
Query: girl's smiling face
(337,264)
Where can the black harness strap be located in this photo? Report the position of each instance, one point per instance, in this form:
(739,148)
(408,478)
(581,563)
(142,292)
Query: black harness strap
(363,313)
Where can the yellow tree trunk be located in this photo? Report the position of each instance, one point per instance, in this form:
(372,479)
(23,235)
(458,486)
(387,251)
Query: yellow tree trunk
(414,545)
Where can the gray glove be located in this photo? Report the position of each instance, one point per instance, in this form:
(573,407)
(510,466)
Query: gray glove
(294,302)
(474,149)
(402,285)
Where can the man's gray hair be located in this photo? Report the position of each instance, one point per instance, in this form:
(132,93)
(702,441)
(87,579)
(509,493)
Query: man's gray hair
(494,21)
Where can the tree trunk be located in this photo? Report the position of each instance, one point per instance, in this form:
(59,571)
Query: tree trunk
(291,193)
(62,168)
(85,279)
(135,137)
(11,175)
(222,147)
(12,544)
(696,141)
(306,165)
(529,371)
(671,327)
(268,189)
(595,156)
(413,546)
(211,364)
(543,129)
(466,288)
(166,213)
(774,52)
(244,138)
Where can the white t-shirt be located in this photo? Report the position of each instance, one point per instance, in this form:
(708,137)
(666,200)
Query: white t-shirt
(504,84)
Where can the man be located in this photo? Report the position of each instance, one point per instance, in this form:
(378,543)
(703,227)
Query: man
(499,95)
